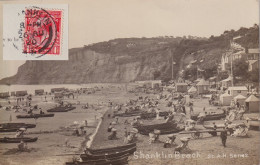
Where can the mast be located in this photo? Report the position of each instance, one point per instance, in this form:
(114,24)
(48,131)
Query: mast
(231,70)
(172,62)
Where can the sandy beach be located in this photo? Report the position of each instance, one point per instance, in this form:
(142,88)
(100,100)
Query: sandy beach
(54,132)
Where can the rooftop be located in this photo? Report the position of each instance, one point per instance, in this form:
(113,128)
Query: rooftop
(238,88)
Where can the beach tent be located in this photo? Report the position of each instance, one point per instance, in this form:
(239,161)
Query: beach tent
(181,87)
(241,99)
(192,90)
(252,104)
(203,87)
(225,99)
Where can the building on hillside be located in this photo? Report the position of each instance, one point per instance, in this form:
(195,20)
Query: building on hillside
(237,90)
(231,56)
(238,52)
(181,87)
(253,59)
(202,87)
(226,82)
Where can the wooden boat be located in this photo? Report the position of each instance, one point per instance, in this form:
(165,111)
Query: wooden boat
(129,114)
(208,126)
(210,115)
(254,122)
(35,115)
(61,109)
(121,160)
(151,115)
(112,149)
(8,129)
(107,155)
(17,140)
(17,125)
(164,128)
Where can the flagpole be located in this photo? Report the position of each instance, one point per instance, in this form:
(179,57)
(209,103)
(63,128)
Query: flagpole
(172,62)
(232,83)
(197,71)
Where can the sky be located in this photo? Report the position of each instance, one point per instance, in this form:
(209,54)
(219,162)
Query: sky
(92,21)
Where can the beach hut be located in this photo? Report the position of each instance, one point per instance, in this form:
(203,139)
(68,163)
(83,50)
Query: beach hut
(12,93)
(181,87)
(237,90)
(4,95)
(21,93)
(241,99)
(192,90)
(39,91)
(57,90)
(225,99)
(203,87)
(252,104)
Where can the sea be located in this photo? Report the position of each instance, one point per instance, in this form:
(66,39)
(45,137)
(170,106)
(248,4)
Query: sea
(47,88)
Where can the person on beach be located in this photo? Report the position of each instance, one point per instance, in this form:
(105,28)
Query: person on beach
(112,136)
(183,109)
(41,112)
(110,127)
(223,136)
(125,136)
(191,109)
(77,132)
(22,146)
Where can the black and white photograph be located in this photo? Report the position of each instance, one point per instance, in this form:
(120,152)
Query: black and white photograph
(129,82)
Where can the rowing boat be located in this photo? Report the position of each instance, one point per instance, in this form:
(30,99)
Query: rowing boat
(114,161)
(61,109)
(17,140)
(8,129)
(106,155)
(164,128)
(210,115)
(35,115)
(17,125)
(111,149)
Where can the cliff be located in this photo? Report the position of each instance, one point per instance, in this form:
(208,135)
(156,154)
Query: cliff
(131,59)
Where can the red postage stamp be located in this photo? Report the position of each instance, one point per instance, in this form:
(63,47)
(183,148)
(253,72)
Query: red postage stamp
(42,31)
(36,32)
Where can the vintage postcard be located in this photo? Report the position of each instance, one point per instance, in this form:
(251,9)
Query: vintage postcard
(118,82)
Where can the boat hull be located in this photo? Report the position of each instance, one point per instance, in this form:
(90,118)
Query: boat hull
(108,155)
(61,109)
(112,149)
(165,128)
(35,116)
(17,140)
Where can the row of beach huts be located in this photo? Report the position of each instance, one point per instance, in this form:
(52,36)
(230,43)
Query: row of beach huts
(24,92)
